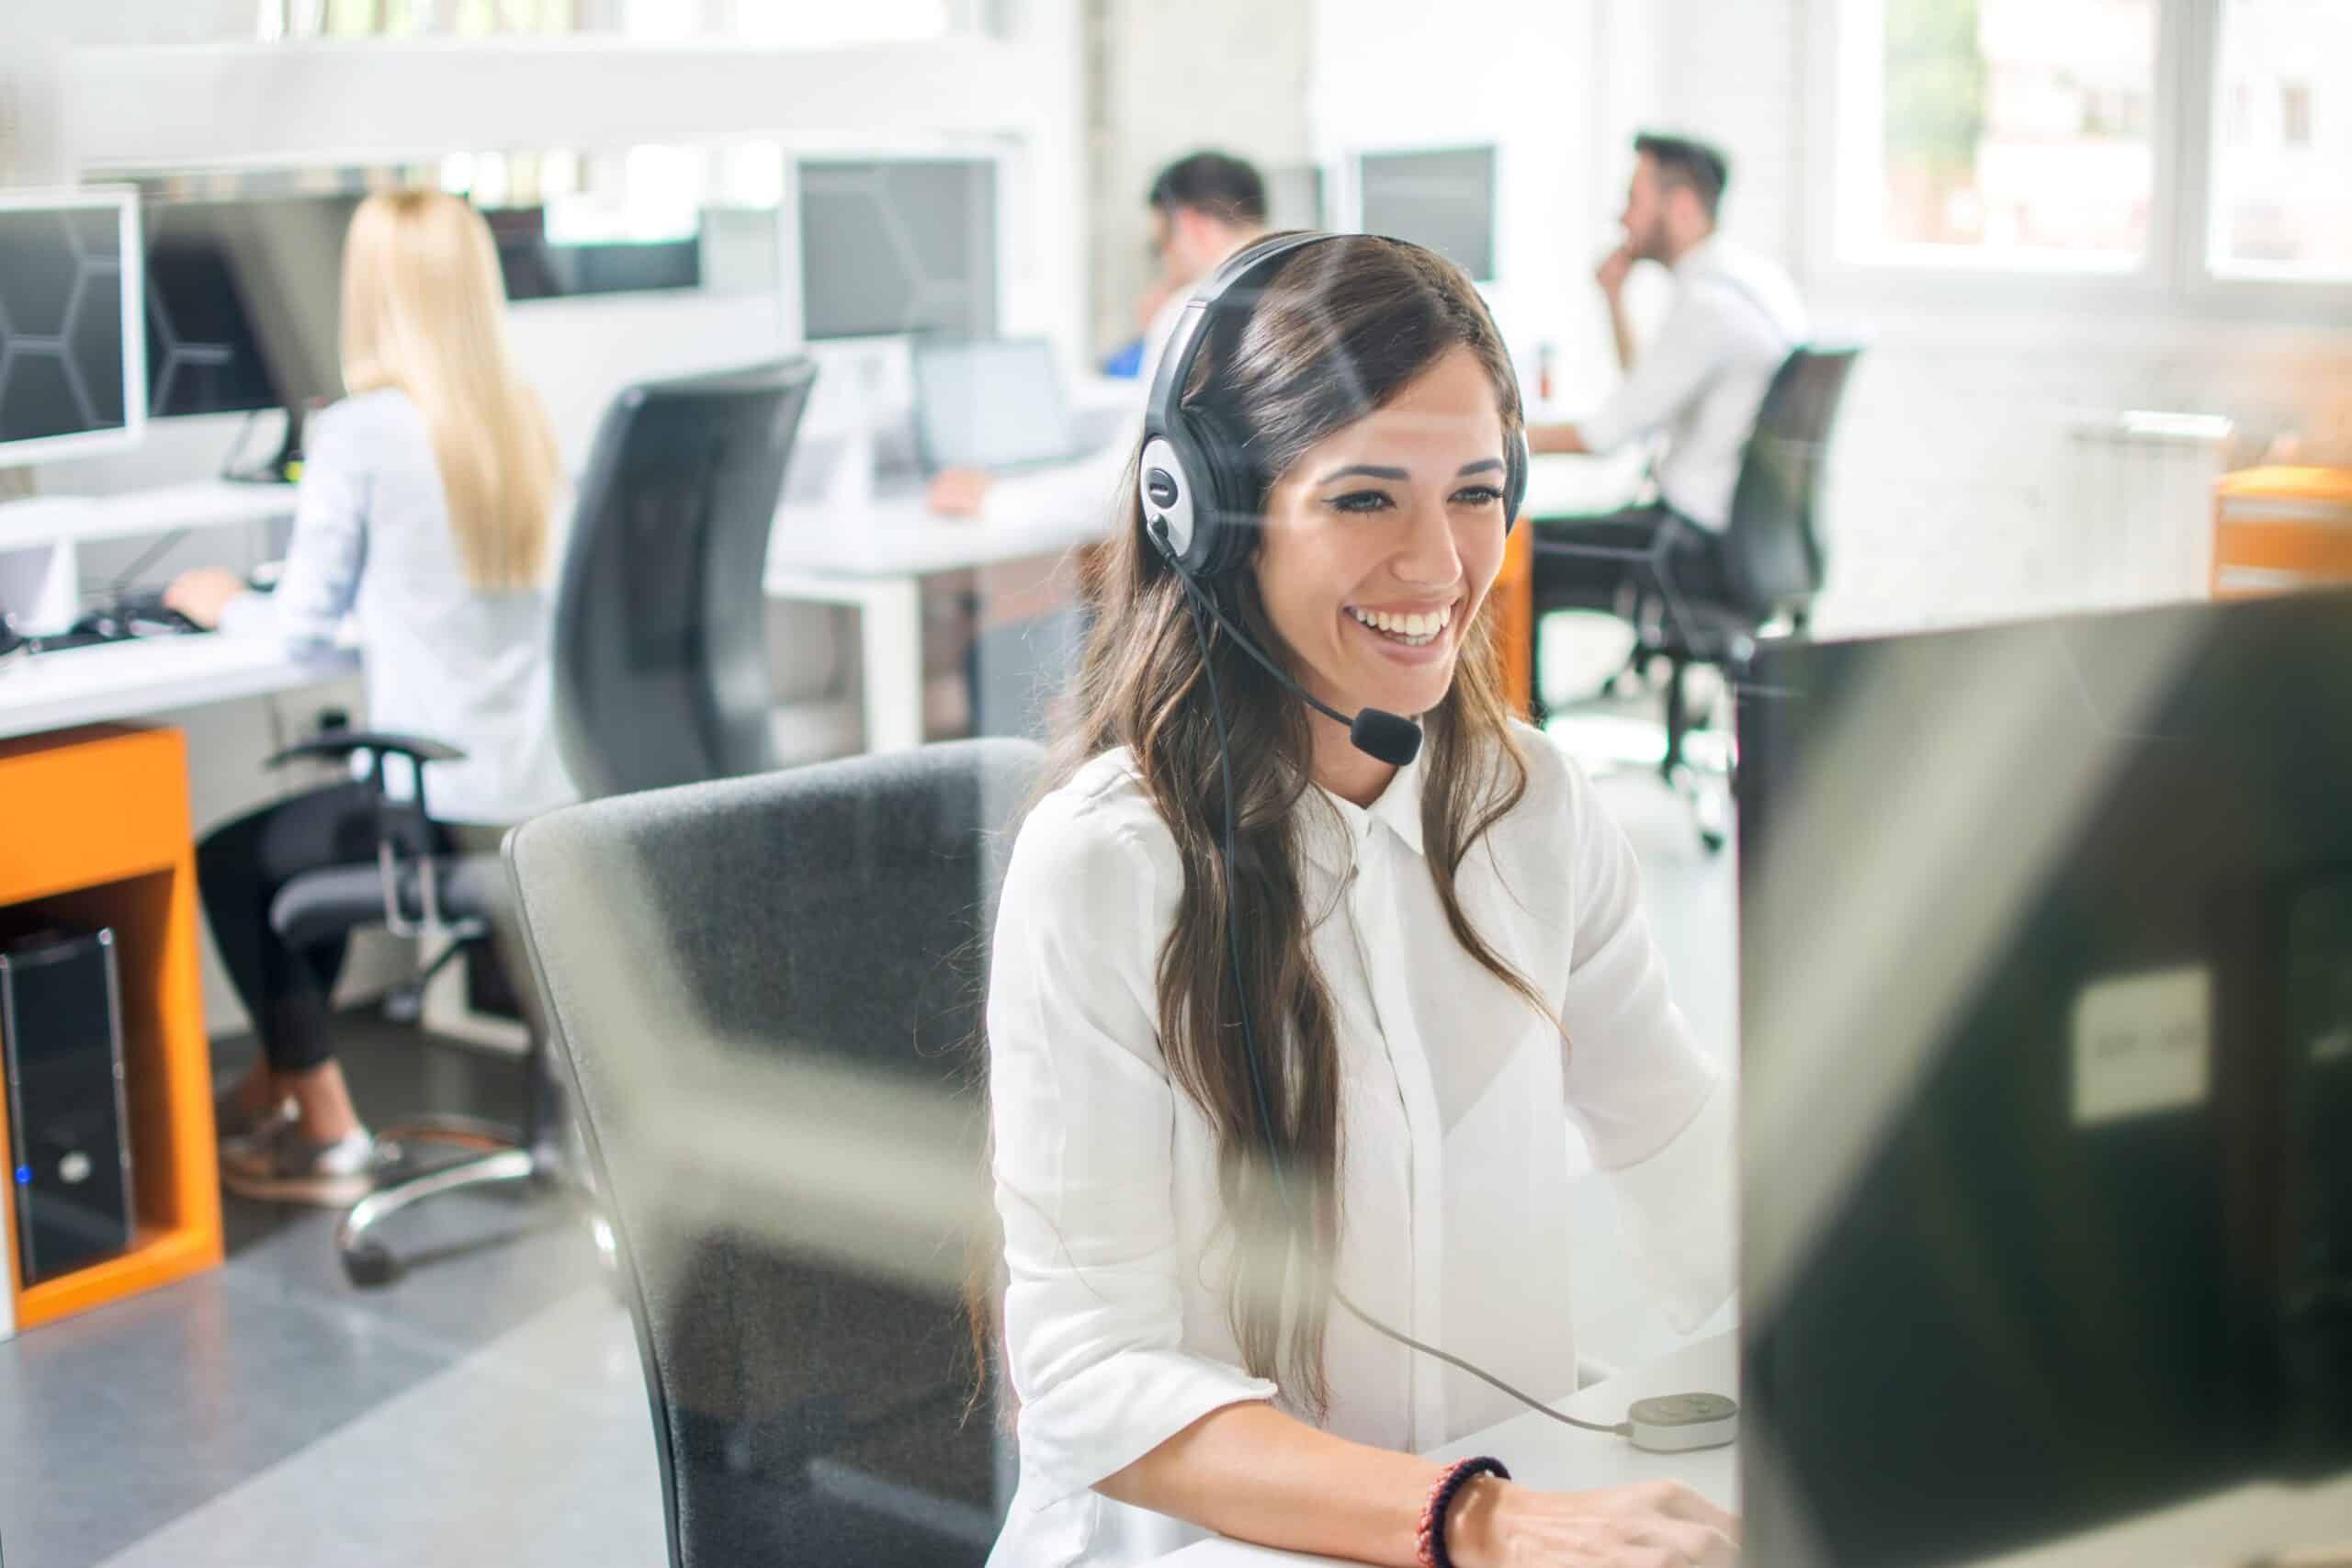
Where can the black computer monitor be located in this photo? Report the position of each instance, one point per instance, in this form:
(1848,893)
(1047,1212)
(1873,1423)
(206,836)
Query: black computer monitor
(71,361)
(532,268)
(202,356)
(2046,999)
(244,304)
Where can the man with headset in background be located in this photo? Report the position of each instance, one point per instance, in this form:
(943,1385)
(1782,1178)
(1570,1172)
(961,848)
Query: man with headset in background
(1204,208)
(1734,318)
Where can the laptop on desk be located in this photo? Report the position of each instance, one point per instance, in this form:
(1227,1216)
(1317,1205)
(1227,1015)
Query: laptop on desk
(993,403)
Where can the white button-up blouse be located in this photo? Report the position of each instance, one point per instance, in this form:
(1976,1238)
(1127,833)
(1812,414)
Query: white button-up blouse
(1454,1107)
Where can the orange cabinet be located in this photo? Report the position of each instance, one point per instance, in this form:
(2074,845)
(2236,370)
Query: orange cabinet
(2276,530)
(1514,617)
(95,831)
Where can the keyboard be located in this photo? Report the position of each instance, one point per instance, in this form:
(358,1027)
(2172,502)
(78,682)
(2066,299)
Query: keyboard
(131,615)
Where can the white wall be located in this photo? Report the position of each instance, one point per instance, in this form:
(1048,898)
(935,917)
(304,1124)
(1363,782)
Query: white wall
(33,35)
(1542,84)
(1166,80)
(1956,490)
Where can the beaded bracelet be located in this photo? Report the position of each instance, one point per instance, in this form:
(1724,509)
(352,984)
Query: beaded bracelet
(1441,1496)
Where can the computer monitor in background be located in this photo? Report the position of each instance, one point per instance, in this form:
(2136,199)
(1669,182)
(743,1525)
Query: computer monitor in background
(533,267)
(1443,199)
(2046,996)
(202,355)
(995,404)
(247,305)
(73,355)
(1295,196)
(905,245)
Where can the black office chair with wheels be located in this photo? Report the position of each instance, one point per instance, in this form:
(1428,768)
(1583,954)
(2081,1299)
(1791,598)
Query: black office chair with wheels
(660,640)
(1773,558)
(660,677)
(767,992)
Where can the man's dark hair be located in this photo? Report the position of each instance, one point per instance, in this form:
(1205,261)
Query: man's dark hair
(1229,189)
(1693,165)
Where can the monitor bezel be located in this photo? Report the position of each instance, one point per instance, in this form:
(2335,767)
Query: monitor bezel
(124,200)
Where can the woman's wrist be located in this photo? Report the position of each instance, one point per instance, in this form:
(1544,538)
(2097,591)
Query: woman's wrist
(1471,1538)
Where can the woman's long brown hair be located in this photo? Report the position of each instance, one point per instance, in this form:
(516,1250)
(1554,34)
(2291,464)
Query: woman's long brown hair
(1338,331)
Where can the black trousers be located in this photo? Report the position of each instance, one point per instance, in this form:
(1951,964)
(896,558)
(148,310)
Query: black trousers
(1569,582)
(240,868)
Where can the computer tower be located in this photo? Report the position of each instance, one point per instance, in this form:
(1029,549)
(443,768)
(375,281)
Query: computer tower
(61,1032)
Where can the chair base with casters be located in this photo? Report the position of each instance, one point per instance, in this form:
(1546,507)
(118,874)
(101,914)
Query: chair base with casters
(414,893)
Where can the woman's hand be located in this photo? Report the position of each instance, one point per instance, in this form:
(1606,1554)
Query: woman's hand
(1652,1524)
(202,594)
(958,493)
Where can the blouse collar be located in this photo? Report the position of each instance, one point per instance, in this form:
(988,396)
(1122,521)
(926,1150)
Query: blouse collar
(1334,838)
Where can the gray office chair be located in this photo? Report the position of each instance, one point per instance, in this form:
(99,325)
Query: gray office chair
(1773,556)
(660,677)
(768,994)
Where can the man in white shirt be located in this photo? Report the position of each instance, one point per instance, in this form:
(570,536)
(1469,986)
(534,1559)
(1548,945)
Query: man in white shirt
(1204,208)
(1734,318)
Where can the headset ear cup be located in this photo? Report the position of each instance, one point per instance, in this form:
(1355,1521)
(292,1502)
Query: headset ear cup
(1164,486)
(1225,503)
(1515,480)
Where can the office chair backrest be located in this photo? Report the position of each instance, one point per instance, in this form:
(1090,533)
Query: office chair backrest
(1772,548)
(768,990)
(661,650)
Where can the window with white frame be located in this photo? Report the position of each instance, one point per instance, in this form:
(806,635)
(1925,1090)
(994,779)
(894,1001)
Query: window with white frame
(2198,142)
(2281,202)
(2017,132)
(790,23)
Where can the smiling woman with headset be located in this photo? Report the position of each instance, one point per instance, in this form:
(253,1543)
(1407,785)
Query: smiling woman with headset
(1300,960)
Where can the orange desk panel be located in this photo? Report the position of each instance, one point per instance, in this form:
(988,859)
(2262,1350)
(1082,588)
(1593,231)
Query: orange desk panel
(95,831)
(1514,618)
(2277,530)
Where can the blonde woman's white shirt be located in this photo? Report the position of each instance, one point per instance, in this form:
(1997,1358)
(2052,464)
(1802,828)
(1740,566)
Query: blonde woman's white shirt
(1455,1101)
(372,541)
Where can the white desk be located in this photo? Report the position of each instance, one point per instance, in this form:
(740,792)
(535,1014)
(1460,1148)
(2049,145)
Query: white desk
(1561,486)
(130,680)
(147,675)
(206,503)
(1543,1453)
(875,560)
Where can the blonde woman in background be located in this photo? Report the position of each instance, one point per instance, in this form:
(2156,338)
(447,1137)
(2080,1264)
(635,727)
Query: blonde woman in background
(427,503)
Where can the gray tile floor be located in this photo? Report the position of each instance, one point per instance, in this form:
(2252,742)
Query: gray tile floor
(119,1422)
(486,1407)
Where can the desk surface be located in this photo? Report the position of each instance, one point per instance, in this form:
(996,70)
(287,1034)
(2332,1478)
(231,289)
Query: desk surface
(1564,486)
(895,535)
(148,675)
(1543,1453)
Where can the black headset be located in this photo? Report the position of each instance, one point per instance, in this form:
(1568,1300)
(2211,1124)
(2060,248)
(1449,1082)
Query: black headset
(1201,504)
